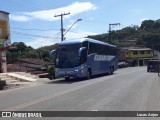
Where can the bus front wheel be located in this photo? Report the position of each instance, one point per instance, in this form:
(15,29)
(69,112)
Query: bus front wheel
(67,78)
(88,75)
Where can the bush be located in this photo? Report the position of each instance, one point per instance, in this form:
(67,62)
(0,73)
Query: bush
(51,71)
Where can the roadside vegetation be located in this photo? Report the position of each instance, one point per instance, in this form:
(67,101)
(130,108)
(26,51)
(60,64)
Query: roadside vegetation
(24,51)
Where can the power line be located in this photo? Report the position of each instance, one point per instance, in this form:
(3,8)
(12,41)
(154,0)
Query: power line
(79,33)
(42,41)
(31,35)
(35,29)
(22,4)
(48,30)
(20,36)
(75,38)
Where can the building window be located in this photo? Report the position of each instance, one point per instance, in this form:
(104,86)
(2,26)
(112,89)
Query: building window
(141,52)
(135,52)
(148,52)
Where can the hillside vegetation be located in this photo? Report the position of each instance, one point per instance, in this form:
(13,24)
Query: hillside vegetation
(146,35)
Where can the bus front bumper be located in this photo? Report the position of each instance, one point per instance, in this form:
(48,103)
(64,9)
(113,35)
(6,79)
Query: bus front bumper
(74,73)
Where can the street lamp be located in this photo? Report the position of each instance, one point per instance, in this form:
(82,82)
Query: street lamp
(71,26)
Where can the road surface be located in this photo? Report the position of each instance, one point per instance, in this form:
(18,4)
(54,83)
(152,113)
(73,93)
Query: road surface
(128,89)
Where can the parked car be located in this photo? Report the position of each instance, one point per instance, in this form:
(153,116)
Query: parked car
(122,64)
(153,66)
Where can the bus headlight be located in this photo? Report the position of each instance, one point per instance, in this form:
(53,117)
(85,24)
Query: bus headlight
(56,70)
(76,70)
(82,67)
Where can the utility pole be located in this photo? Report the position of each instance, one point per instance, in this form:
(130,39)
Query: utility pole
(61,15)
(110,29)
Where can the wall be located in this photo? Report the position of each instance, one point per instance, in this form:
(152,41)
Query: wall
(4,35)
(4,28)
(139,54)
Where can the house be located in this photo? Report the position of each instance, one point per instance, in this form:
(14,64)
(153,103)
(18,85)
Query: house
(135,56)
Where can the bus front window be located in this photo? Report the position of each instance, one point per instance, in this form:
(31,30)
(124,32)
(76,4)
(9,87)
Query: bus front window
(67,56)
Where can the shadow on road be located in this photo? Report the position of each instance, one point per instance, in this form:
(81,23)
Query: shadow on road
(73,80)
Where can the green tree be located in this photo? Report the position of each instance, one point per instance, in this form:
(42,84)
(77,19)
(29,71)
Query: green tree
(32,54)
(147,25)
(20,46)
(9,57)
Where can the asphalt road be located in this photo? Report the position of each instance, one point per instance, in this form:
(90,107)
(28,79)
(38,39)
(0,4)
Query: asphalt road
(129,89)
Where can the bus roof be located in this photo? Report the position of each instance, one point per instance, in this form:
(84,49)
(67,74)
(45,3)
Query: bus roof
(65,42)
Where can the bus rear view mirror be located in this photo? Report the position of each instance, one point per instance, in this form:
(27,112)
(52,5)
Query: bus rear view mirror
(81,50)
(83,54)
(53,54)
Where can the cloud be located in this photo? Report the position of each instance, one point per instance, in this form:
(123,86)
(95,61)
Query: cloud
(40,42)
(53,37)
(48,15)
(91,18)
(19,18)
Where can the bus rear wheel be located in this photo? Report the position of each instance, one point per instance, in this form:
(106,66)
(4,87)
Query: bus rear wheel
(111,70)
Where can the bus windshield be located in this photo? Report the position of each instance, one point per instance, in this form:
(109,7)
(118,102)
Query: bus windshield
(67,56)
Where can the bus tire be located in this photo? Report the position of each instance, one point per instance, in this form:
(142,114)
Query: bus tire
(109,72)
(88,76)
(112,70)
(67,78)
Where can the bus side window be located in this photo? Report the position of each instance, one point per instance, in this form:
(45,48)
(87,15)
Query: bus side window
(92,48)
(85,44)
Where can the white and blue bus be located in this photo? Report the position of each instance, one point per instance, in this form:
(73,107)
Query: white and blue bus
(84,58)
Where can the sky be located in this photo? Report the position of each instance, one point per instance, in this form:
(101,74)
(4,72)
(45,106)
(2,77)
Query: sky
(34,23)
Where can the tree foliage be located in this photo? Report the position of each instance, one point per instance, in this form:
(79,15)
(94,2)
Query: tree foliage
(24,51)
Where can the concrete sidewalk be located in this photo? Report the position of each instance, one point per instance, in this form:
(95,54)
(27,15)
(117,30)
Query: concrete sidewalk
(18,77)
